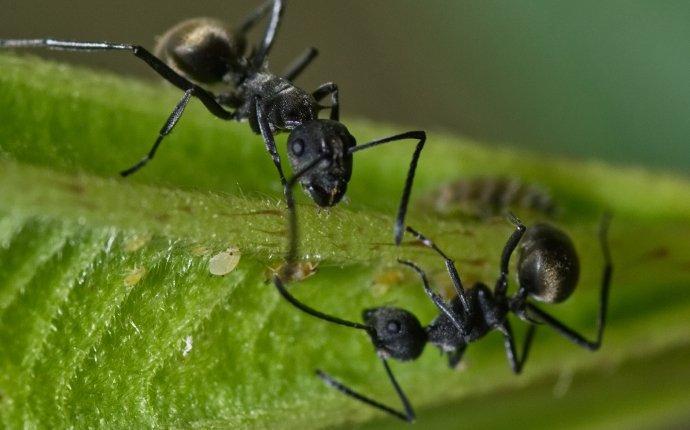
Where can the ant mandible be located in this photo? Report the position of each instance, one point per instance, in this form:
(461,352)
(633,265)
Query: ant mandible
(203,51)
(548,271)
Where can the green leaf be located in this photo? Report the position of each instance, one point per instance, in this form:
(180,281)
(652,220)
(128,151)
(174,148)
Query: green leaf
(109,315)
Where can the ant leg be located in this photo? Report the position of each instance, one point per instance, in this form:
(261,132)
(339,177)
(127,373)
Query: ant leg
(455,357)
(332,89)
(516,362)
(207,98)
(259,56)
(297,67)
(502,282)
(270,143)
(167,128)
(458,321)
(255,16)
(402,209)
(408,415)
(569,333)
(450,266)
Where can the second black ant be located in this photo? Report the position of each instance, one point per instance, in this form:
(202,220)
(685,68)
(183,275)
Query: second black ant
(548,271)
(203,51)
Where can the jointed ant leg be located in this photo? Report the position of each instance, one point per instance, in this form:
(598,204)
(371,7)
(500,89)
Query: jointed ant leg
(167,128)
(502,282)
(408,415)
(402,209)
(268,38)
(255,16)
(269,141)
(438,300)
(332,89)
(297,67)
(154,62)
(516,362)
(450,266)
(455,357)
(190,89)
(566,331)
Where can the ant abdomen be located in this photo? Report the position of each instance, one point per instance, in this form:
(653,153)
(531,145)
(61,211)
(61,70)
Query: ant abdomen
(548,266)
(203,49)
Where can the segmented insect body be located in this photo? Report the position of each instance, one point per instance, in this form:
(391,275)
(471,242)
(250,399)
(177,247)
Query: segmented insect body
(548,271)
(486,196)
(203,51)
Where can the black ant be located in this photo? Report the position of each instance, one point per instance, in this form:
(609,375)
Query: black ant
(203,51)
(548,271)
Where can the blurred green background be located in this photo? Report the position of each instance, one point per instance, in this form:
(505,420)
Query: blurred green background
(589,79)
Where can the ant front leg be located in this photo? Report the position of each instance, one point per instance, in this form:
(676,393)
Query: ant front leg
(566,331)
(323,91)
(420,136)
(270,143)
(450,266)
(457,320)
(502,282)
(408,415)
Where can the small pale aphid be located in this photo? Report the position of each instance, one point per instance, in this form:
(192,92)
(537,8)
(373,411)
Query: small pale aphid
(136,242)
(134,276)
(224,262)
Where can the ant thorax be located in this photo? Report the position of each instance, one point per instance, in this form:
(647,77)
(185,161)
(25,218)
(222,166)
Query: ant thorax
(285,104)
(484,313)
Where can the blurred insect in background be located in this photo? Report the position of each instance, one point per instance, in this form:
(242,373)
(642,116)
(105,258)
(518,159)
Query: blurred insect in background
(488,196)
(202,51)
(548,271)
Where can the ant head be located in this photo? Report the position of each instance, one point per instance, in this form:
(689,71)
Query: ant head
(326,183)
(395,332)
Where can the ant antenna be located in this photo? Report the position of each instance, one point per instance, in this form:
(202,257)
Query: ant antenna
(399,228)
(313,312)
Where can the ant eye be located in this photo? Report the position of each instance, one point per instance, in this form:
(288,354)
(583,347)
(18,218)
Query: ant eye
(393,327)
(297,147)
